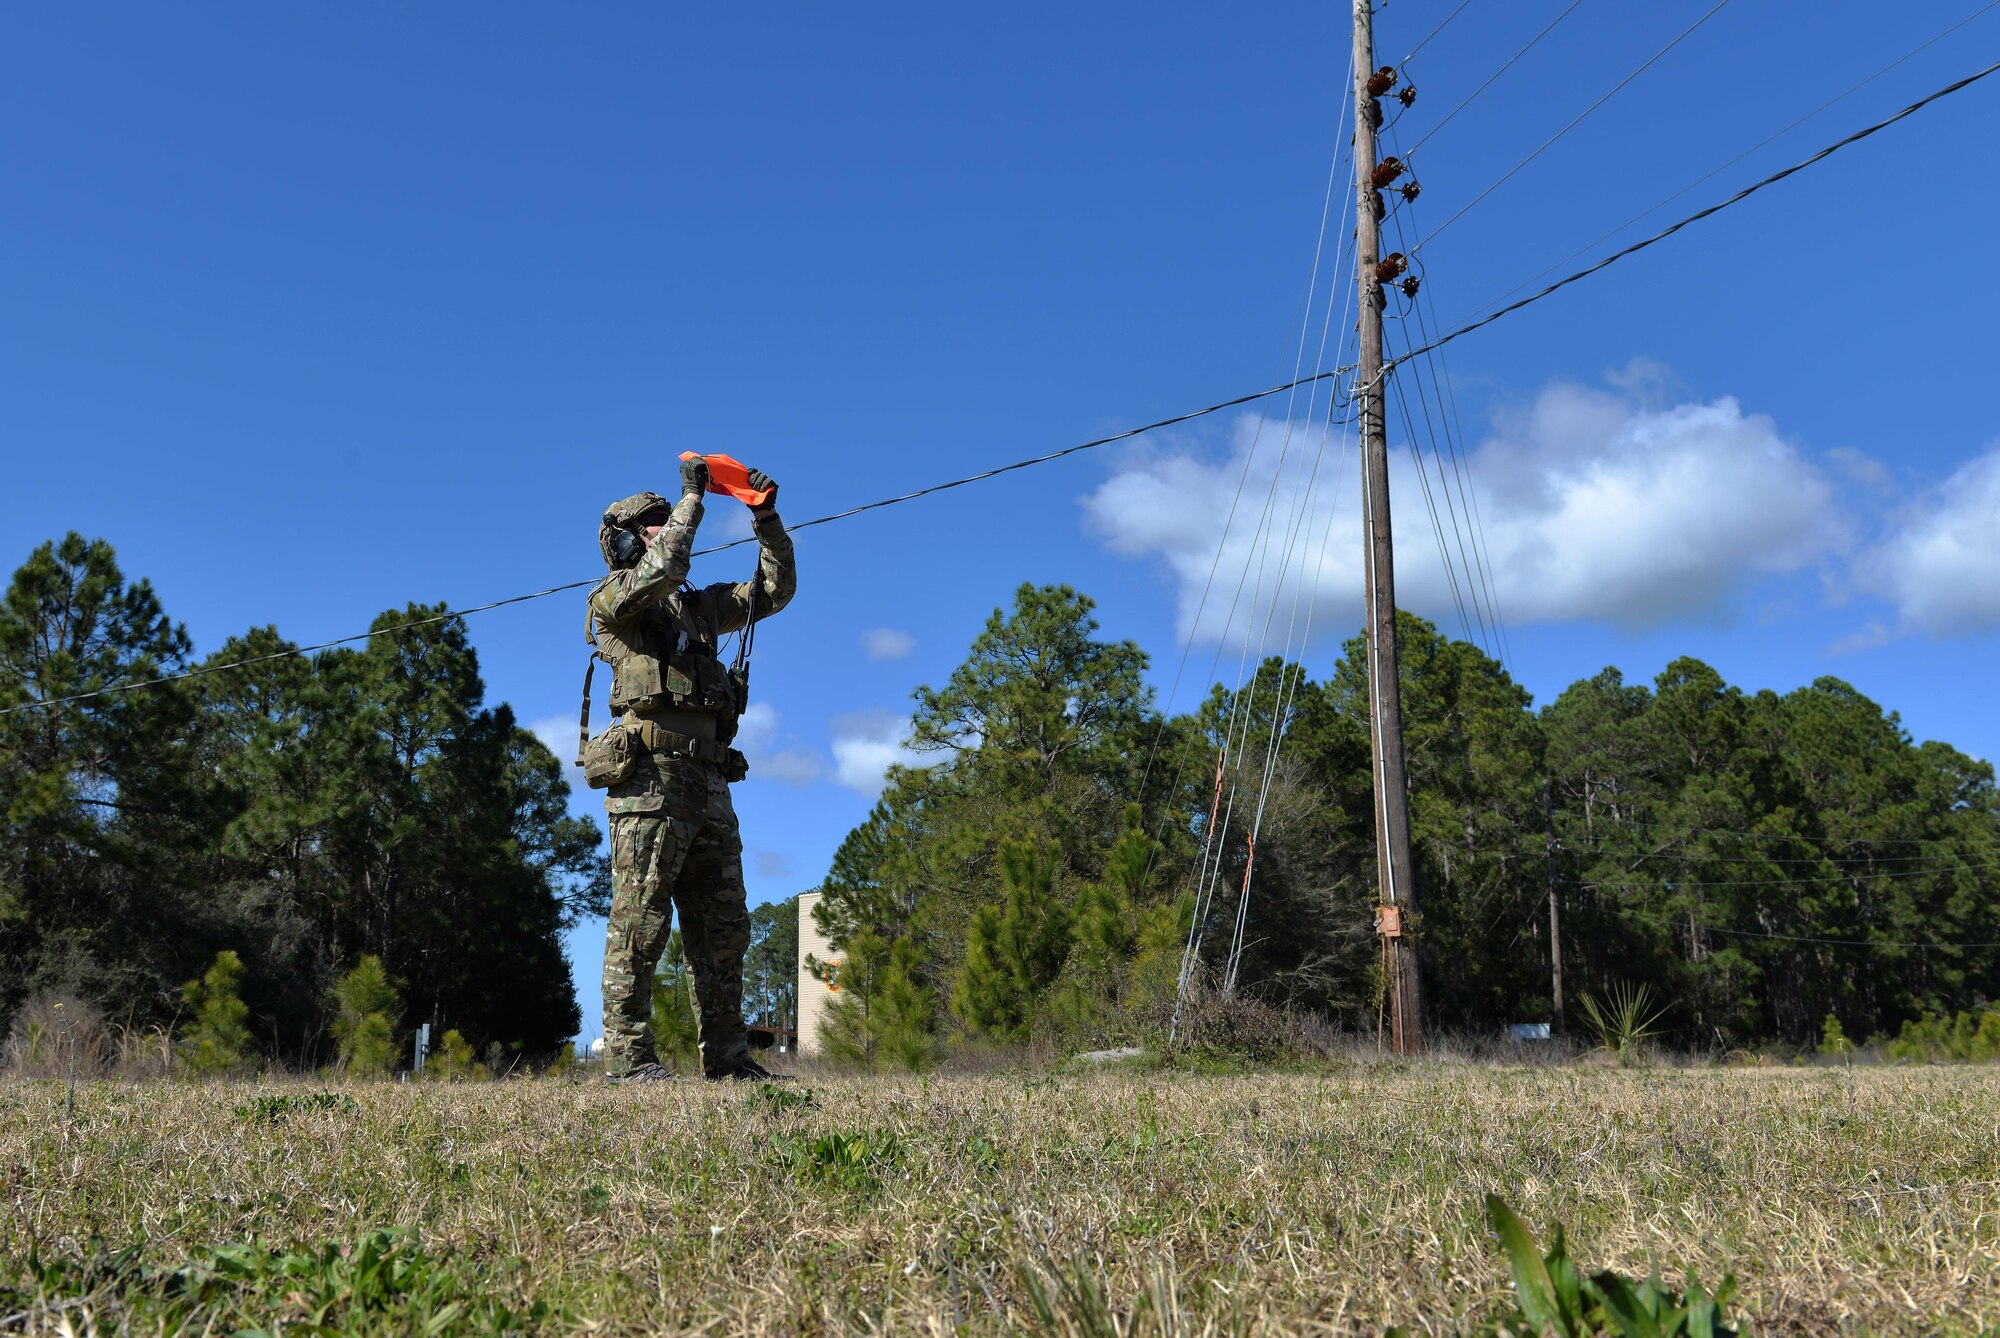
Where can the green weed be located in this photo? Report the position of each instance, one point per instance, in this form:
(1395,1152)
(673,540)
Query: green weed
(983,1155)
(771,1098)
(275,1109)
(853,1162)
(383,1283)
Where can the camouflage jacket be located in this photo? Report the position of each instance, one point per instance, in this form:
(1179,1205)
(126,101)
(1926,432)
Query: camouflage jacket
(661,637)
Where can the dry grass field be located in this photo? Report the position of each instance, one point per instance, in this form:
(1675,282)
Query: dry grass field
(1335,1201)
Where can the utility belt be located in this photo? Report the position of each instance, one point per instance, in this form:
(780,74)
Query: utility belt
(611,757)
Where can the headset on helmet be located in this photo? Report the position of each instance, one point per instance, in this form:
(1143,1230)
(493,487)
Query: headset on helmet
(622,545)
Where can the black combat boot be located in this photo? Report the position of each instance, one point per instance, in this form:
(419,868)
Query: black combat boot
(747,1069)
(647,1072)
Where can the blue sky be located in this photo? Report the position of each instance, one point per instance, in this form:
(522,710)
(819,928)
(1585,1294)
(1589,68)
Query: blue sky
(314,313)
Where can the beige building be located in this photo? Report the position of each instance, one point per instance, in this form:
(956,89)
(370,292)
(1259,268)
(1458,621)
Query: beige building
(814,993)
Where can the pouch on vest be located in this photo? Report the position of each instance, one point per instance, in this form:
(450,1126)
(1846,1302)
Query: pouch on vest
(610,758)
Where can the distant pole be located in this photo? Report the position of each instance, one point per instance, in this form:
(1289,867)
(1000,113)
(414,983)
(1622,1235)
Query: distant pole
(1555,914)
(1398,885)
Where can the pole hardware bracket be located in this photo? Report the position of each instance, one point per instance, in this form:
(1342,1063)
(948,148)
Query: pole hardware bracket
(1389,921)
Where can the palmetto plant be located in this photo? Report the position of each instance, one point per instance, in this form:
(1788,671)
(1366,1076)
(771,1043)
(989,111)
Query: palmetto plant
(1551,1297)
(1625,1024)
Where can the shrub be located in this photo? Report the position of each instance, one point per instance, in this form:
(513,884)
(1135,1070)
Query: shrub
(1833,1040)
(216,1040)
(364,1031)
(1234,1029)
(1934,1039)
(454,1060)
(56,1035)
(142,1052)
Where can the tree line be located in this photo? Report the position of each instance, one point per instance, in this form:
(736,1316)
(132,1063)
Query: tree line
(287,824)
(1762,862)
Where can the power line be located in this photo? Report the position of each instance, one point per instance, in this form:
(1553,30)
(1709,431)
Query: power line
(1440,28)
(1821,861)
(205,670)
(1310,296)
(1650,61)
(1718,170)
(1675,883)
(1437,526)
(1802,838)
(1677,925)
(1667,232)
(1466,101)
(1845,942)
(1474,565)
(699,552)
(1127,434)
(1440,383)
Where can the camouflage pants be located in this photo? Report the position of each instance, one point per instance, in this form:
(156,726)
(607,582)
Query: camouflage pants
(675,844)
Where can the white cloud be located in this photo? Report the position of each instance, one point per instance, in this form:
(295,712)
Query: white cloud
(558,734)
(866,744)
(757,735)
(1592,506)
(758,728)
(724,520)
(1940,562)
(793,766)
(887,643)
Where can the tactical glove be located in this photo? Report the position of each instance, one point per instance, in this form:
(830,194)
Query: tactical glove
(694,476)
(762,481)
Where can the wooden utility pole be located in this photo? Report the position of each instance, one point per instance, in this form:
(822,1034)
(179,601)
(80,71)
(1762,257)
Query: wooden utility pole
(1397,919)
(1555,916)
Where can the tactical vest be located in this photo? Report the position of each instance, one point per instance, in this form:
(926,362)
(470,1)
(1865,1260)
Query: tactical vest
(666,658)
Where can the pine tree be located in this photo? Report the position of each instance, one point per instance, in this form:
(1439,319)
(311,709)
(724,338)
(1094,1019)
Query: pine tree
(771,966)
(676,1027)
(1014,951)
(91,794)
(217,1039)
(453,1060)
(1161,940)
(365,1030)
(1104,925)
(1040,735)
(905,1013)
(849,1031)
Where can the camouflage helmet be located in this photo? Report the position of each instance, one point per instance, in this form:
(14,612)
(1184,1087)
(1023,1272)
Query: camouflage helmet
(622,515)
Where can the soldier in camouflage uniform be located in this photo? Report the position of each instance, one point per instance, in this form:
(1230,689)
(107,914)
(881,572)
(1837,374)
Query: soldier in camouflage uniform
(674,839)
